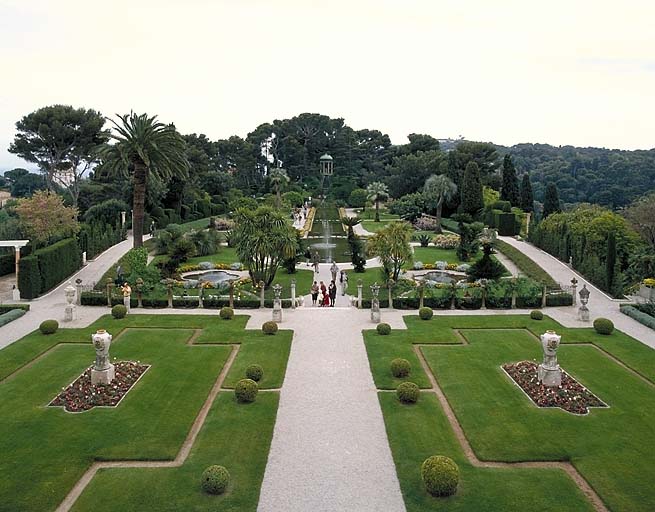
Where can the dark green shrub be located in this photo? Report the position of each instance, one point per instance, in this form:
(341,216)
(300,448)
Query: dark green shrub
(383,329)
(603,326)
(119,311)
(254,372)
(246,391)
(226,313)
(57,262)
(269,327)
(400,368)
(11,315)
(425,313)
(408,392)
(7,263)
(536,315)
(215,479)
(29,278)
(440,475)
(638,315)
(49,326)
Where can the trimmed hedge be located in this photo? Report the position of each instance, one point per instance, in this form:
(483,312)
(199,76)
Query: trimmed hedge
(7,263)
(4,308)
(10,316)
(227,313)
(29,278)
(425,313)
(215,479)
(119,311)
(254,372)
(408,392)
(639,316)
(440,475)
(603,326)
(400,368)
(49,326)
(47,267)
(246,391)
(383,329)
(536,315)
(269,327)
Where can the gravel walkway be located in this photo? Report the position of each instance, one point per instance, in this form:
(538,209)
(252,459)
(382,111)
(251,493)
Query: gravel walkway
(329,449)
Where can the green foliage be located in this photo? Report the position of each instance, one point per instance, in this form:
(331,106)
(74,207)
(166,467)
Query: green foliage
(551,201)
(471,190)
(400,368)
(377,192)
(227,313)
(440,475)
(29,277)
(49,327)
(424,240)
(293,199)
(603,326)
(468,241)
(11,315)
(409,207)
(357,198)
(107,212)
(486,267)
(97,237)
(357,257)
(527,197)
(269,327)
(46,218)
(383,329)
(246,391)
(509,190)
(215,479)
(408,392)
(610,261)
(526,265)
(536,315)
(638,315)
(392,245)
(254,372)
(425,313)
(119,311)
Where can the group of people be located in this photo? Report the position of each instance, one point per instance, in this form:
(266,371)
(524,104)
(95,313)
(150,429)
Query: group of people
(326,296)
(300,214)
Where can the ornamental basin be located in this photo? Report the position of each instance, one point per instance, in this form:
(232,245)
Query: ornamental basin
(439,277)
(213,276)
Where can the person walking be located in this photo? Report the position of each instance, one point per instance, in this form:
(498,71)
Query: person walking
(334,269)
(332,291)
(314,291)
(316,259)
(344,282)
(321,298)
(308,255)
(324,293)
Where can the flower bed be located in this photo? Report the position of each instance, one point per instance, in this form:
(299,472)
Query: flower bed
(571,396)
(81,396)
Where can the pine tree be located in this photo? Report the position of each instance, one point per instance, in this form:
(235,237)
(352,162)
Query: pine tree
(509,190)
(551,200)
(472,201)
(527,198)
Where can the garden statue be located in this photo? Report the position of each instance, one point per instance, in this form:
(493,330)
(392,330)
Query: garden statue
(127,295)
(375,303)
(277,304)
(293,294)
(103,371)
(69,311)
(583,310)
(549,372)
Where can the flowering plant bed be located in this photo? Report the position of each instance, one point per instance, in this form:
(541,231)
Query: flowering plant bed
(571,396)
(82,396)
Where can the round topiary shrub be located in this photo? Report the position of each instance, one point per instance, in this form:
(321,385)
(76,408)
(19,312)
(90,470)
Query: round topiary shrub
(215,479)
(603,325)
(425,313)
(246,391)
(226,313)
(269,327)
(383,329)
(119,311)
(536,315)
(49,326)
(440,475)
(407,392)
(255,372)
(400,368)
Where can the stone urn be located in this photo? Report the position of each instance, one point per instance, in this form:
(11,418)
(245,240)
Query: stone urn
(647,292)
(549,372)
(103,371)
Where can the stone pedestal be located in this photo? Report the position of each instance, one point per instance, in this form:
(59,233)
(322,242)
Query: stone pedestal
(69,313)
(84,258)
(293,294)
(103,376)
(359,294)
(277,311)
(15,294)
(583,313)
(549,372)
(375,311)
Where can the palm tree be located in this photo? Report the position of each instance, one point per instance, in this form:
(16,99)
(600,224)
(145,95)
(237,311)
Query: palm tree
(437,190)
(145,146)
(278,178)
(392,245)
(350,223)
(377,191)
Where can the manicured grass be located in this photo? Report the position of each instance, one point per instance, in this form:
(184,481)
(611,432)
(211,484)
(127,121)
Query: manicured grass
(525,264)
(431,254)
(226,255)
(195,224)
(368,277)
(237,436)
(502,424)
(150,423)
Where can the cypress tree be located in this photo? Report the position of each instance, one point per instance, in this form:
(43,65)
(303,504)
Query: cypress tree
(509,189)
(551,200)
(471,188)
(527,198)
(610,261)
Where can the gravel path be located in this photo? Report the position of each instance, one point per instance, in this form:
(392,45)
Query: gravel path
(329,449)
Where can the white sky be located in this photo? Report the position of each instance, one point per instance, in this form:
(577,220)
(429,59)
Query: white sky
(559,72)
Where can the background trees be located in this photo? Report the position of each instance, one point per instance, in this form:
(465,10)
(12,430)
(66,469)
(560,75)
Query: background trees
(551,201)
(471,189)
(144,148)
(377,192)
(509,189)
(527,198)
(437,190)
(45,218)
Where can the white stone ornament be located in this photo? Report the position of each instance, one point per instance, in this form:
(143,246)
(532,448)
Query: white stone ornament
(549,372)
(103,371)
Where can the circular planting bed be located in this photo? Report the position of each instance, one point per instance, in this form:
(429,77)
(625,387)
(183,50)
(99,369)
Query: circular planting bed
(81,396)
(571,396)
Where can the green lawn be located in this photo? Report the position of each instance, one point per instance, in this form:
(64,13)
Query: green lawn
(226,255)
(46,450)
(502,424)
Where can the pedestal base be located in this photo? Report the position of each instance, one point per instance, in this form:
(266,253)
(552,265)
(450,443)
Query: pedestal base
(103,376)
(375,316)
(15,294)
(551,377)
(277,315)
(69,313)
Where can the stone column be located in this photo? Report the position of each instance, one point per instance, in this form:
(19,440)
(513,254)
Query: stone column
(232,294)
(109,286)
(574,287)
(293,294)
(514,293)
(421,293)
(261,294)
(16,292)
(277,304)
(200,292)
(453,293)
(169,289)
(139,292)
(69,311)
(390,284)
(543,296)
(359,293)
(78,290)
(375,304)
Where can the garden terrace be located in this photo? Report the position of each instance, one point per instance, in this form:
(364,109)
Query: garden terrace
(511,453)
(169,421)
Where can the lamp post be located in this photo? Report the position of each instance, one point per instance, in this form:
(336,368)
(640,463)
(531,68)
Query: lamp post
(574,286)
(583,311)
(277,303)
(375,303)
